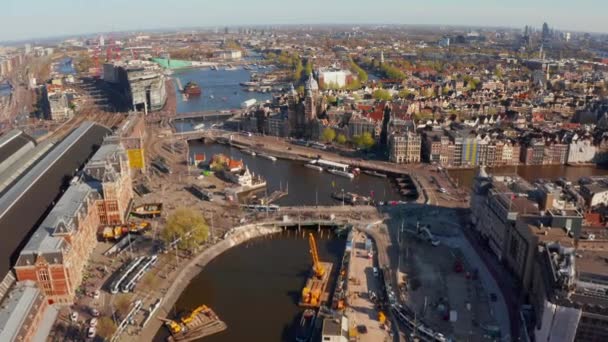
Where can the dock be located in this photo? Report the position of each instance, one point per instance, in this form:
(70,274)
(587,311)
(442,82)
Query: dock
(318,287)
(202,325)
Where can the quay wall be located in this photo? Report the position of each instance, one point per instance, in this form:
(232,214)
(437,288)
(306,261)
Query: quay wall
(236,236)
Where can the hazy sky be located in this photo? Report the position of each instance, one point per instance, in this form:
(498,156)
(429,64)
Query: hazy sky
(21,19)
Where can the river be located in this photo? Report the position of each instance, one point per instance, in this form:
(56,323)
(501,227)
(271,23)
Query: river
(305,186)
(532,172)
(255,287)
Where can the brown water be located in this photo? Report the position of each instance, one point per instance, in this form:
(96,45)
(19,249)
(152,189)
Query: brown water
(255,287)
(532,172)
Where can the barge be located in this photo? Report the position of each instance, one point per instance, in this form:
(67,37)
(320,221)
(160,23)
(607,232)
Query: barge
(199,323)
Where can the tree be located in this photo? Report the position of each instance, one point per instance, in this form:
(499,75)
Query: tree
(361,74)
(297,74)
(367,140)
(188,225)
(331,99)
(328,135)
(382,94)
(106,328)
(341,139)
(308,68)
(404,93)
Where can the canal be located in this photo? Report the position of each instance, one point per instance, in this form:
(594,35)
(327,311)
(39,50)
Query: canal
(532,172)
(255,287)
(305,186)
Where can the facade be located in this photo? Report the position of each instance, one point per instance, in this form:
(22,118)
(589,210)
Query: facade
(556,154)
(25,314)
(56,254)
(581,151)
(404,148)
(141,82)
(229,54)
(335,78)
(109,170)
(595,194)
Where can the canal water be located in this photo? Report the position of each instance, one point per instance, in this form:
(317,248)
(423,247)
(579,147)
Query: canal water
(305,186)
(255,287)
(221,89)
(532,172)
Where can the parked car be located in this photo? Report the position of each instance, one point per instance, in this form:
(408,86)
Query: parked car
(74,316)
(91,332)
(93,322)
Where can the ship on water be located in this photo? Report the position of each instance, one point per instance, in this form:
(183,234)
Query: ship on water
(192,89)
(306,326)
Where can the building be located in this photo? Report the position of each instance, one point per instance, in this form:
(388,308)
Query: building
(581,151)
(142,84)
(108,171)
(334,78)
(570,294)
(55,256)
(14,145)
(533,153)
(55,104)
(229,54)
(24,204)
(595,193)
(404,148)
(335,330)
(25,314)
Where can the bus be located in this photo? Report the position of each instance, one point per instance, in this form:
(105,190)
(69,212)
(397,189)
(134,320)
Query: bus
(129,284)
(123,274)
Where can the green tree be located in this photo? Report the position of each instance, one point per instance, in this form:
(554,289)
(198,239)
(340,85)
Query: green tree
(187,224)
(382,94)
(392,72)
(331,99)
(308,68)
(300,89)
(361,74)
(341,139)
(297,73)
(328,135)
(106,328)
(404,93)
(367,140)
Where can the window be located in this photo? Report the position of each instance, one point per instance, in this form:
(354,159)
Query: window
(43,274)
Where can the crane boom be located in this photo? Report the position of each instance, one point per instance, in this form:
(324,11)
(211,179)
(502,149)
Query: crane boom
(318,269)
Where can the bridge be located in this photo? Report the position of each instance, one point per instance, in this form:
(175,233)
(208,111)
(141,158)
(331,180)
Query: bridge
(207,114)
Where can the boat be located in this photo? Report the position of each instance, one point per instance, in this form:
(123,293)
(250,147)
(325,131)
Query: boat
(248,103)
(374,173)
(249,84)
(341,173)
(267,156)
(213,67)
(314,167)
(199,126)
(192,89)
(197,324)
(149,210)
(249,152)
(231,68)
(211,96)
(306,326)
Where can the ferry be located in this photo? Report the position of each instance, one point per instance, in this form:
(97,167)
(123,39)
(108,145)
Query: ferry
(341,173)
(306,326)
(267,156)
(314,167)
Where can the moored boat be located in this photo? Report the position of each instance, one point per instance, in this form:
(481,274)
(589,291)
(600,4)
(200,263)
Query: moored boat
(341,173)
(314,167)
(192,89)
(267,156)
(306,326)
(249,152)
(374,173)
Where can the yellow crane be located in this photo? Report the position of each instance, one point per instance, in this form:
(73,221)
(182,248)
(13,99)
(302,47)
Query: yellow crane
(316,265)
(188,318)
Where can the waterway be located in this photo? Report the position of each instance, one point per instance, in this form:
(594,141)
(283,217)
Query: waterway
(305,186)
(532,172)
(255,287)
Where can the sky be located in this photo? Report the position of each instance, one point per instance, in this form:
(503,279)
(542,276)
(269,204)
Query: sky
(27,19)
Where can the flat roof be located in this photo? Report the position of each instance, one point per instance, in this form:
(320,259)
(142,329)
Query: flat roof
(11,143)
(15,308)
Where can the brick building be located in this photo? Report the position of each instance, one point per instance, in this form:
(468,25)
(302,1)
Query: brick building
(404,148)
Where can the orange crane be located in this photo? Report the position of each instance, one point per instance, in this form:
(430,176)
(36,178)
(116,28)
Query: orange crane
(316,265)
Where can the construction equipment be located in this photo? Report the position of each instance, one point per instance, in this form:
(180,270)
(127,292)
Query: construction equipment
(173,326)
(316,265)
(116,232)
(188,318)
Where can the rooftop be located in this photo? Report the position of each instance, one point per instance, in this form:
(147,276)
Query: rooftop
(15,308)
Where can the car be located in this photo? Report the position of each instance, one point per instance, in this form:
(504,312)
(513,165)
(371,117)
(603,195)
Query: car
(362,329)
(91,332)
(94,312)
(96,294)
(375,270)
(74,316)
(93,322)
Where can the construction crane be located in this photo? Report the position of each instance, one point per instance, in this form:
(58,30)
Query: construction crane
(316,265)
(188,318)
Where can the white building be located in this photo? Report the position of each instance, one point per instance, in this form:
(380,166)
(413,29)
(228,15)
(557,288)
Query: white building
(229,54)
(335,330)
(337,78)
(581,151)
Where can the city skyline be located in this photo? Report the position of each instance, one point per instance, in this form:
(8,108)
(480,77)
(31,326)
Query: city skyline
(40,20)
